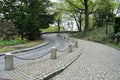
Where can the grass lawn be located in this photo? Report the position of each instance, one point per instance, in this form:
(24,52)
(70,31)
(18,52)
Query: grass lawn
(6,46)
(11,42)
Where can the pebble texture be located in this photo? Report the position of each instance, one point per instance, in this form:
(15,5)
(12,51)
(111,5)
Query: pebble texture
(35,69)
(98,62)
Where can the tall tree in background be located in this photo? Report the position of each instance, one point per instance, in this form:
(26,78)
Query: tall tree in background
(57,9)
(105,12)
(61,14)
(76,13)
(82,7)
(78,19)
(7,30)
(29,15)
(85,3)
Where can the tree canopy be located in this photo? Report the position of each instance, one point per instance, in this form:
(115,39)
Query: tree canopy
(29,15)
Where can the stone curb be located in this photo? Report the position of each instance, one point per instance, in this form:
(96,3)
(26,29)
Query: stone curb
(46,42)
(62,68)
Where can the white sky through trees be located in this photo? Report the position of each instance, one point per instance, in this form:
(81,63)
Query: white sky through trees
(55,0)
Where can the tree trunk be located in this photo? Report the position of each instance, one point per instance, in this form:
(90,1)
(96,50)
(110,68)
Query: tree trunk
(76,21)
(33,35)
(86,16)
(78,26)
(106,31)
(58,26)
(22,36)
(80,22)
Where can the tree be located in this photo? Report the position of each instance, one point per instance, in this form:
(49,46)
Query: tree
(85,3)
(117,30)
(29,15)
(78,19)
(117,25)
(117,9)
(82,6)
(58,14)
(104,12)
(7,29)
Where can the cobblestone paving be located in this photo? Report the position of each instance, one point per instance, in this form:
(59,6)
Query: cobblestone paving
(34,69)
(98,62)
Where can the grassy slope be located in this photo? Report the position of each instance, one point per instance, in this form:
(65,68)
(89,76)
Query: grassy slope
(99,35)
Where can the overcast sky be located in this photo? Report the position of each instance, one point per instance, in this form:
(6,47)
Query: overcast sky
(55,0)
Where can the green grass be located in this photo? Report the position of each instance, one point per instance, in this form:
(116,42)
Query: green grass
(11,42)
(114,45)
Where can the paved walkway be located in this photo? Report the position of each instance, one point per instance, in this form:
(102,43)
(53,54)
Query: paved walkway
(40,68)
(98,62)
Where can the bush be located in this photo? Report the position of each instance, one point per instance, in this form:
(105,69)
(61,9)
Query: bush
(11,42)
(117,37)
(7,29)
(117,25)
(117,34)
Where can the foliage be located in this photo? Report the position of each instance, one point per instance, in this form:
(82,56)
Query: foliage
(104,12)
(11,42)
(117,25)
(80,7)
(61,14)
(97,34)
(114,45)
(100,11)
(117,30)
(117,34)
(58,14)
(28,15)
(117,10)
(50,29)
(7,29)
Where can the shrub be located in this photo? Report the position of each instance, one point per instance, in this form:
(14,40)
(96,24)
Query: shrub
(117,34)
(117,25)
(11,42)
(7,29)
(117,37)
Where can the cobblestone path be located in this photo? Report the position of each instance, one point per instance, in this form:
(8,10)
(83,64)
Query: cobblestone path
(98,62)
(35,69)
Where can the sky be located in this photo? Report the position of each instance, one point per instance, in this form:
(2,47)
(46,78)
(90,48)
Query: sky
(55,0)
